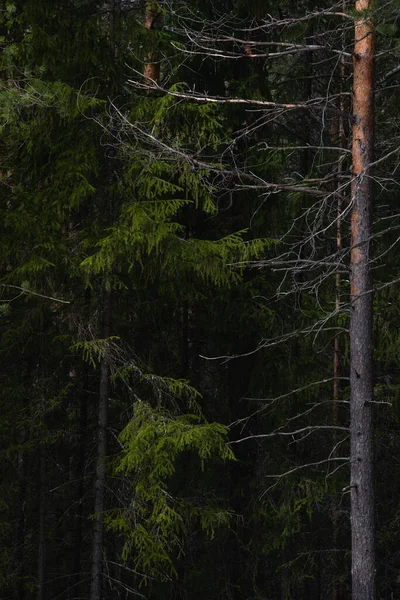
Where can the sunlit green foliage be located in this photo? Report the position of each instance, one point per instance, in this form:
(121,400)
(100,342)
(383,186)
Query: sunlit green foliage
(156,521)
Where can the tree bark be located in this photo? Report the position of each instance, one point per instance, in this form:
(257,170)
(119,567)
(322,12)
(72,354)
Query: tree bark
(80,478)
(19,556)
(361,384)
(185,340)
(152,22)
(100,482)
(42,540)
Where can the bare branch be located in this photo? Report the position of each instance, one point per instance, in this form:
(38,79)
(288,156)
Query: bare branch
(289,433)
(313,464)
(205,51)
(271,401)
(257,183)
(198,97)
(26,291)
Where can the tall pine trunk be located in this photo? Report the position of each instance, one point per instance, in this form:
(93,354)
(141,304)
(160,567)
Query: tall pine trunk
(100,482)
(361,431)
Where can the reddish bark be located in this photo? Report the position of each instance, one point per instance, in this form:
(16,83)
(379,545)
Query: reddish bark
(152,22)
(361,441)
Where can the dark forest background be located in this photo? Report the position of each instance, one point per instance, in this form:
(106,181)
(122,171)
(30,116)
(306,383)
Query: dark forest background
(174,273)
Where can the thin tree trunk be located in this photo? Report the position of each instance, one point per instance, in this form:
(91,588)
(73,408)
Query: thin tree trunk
(284,584)
(100,482)
(361,432)
(20,531)
(338,281)
(152,22)
(80,488)
(185,340)
(80,465)
(42,541)
(336,392)
(340,140)
(305,157)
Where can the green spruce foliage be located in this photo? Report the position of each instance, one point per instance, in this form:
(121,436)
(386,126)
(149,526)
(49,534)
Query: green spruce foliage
(157,521)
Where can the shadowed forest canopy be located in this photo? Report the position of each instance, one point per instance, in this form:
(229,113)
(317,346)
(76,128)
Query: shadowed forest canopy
(199,309)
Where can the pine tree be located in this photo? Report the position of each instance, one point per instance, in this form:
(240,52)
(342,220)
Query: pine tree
(361,368)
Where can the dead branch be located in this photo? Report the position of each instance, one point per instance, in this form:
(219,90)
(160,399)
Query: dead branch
(30,292)
(290,433)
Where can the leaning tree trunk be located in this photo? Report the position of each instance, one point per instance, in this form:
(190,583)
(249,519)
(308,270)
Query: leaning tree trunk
(361,433)
(100,482)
